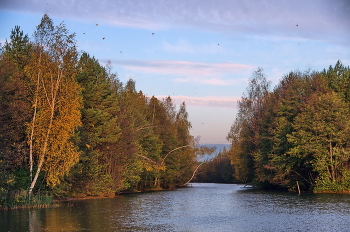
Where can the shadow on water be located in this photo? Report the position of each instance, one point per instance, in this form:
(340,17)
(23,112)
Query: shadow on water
(198,207)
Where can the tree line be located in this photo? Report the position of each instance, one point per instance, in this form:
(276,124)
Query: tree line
(296,134)
(71,128)
(217,170)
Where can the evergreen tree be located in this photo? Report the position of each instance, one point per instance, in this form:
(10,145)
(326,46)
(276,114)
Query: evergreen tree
(15,108)
(98,170)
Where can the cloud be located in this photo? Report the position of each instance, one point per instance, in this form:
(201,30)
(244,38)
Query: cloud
(318,19)
(208,101)
(209,81)
(185,71)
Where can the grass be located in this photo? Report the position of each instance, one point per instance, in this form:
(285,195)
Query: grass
(20,199)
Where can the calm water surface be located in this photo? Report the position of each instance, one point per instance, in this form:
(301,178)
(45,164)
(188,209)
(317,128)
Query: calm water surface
(200,207)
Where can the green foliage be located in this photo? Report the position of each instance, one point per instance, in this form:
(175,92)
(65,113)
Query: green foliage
(99,133)
(299,133)
(322,137)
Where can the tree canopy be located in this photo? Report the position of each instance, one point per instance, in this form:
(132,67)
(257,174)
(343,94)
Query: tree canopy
(299,132)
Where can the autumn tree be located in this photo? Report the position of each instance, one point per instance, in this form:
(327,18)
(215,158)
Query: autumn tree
(184,160)
(245,131)
(56,102)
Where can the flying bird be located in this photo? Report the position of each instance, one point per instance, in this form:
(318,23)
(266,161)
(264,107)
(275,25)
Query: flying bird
(96,24)
(103,38)
(297,25)
(152,33)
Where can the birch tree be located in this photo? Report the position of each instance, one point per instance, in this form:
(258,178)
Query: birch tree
(244,134)
(56,102)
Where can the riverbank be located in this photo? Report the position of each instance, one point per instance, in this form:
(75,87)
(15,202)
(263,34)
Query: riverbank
(112,195)
(21,200)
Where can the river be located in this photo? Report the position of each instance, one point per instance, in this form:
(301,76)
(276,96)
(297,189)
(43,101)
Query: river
(199,207)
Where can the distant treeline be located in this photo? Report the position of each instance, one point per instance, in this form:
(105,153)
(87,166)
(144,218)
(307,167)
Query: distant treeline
(299,133)
(216,170)
(70,128)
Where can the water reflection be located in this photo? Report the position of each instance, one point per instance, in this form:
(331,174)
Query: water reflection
(202,207)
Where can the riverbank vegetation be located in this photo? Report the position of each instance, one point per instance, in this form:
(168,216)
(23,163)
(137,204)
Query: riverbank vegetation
(296,134)
(70,128)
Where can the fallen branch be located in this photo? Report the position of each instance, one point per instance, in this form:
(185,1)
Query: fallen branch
(194,173)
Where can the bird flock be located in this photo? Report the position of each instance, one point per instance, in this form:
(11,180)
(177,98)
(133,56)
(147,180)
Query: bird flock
(297,25)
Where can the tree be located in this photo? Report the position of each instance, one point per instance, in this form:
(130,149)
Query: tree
(56,101)
(322,136)
(15,107)
(287,98)
(337,79)
(18,50)
(185,161)
(245,131)
(98,170)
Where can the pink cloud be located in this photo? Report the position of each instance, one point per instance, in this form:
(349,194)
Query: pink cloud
(198,72)
(208,101)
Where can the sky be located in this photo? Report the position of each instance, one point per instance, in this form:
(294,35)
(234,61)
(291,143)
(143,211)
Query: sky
(202,52)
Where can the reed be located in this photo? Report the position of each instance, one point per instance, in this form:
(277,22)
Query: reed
(21,199)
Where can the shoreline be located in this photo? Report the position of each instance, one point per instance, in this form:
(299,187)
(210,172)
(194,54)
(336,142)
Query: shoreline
(111,196)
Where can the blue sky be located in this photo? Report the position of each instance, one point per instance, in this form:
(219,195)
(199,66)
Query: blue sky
(199,51)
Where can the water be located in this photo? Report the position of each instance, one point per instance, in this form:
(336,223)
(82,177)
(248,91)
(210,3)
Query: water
(200,207)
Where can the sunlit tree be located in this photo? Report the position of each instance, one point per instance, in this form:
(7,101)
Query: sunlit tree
(245,132)
(56,101)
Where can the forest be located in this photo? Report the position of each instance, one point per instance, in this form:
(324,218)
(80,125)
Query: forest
(71,128)
(297,135)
